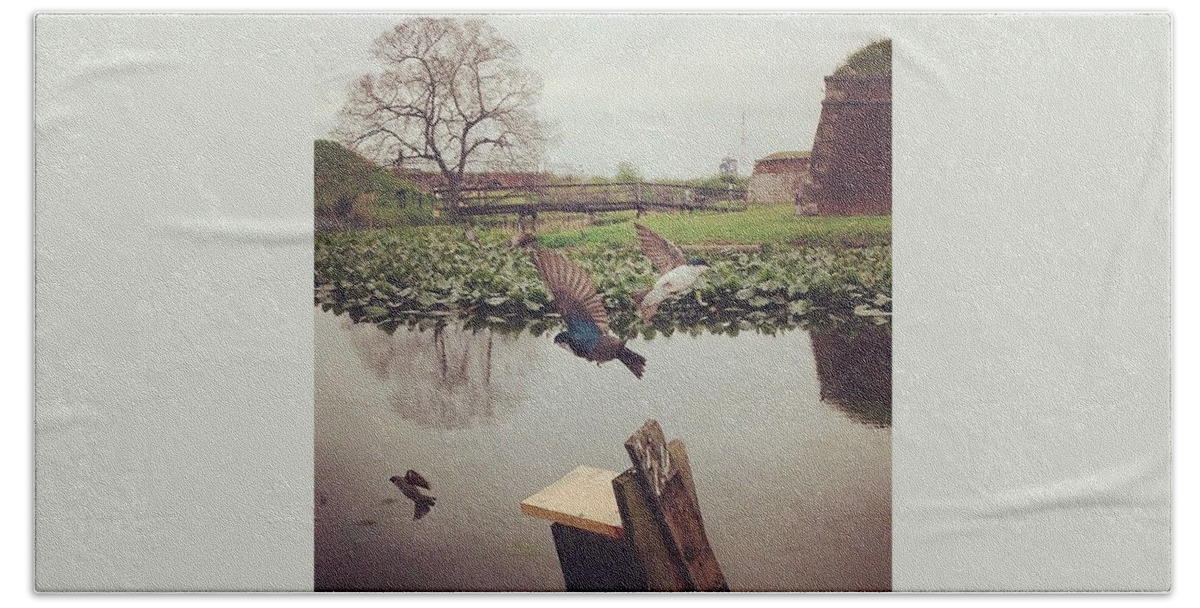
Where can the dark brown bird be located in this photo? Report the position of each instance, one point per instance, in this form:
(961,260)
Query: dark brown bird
(575,298)
(409,484)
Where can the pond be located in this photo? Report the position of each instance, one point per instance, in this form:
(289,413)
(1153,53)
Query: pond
(788,435)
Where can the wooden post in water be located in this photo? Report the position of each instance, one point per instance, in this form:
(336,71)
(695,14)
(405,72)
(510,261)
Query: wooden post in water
(666,489)
(640,530)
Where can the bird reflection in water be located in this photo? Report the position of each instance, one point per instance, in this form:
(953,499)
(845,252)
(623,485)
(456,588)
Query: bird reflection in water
(410,485)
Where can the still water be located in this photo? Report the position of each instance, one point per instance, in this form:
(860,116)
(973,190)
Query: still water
(788,436)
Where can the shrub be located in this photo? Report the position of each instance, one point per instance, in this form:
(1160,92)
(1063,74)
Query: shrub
(871,60)
(350,187)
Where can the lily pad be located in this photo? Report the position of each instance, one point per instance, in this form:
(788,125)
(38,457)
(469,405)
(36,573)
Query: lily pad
(427,277)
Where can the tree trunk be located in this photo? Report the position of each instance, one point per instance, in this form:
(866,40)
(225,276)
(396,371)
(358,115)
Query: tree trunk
(453,195)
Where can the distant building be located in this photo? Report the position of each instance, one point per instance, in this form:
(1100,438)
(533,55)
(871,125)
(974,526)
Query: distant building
(729,166)
(778,178)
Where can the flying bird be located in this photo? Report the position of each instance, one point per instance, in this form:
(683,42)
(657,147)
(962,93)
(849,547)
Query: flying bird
(575,298)
(410,485)
(678,273)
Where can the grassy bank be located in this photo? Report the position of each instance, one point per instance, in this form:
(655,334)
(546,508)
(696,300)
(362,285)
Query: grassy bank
(770,224)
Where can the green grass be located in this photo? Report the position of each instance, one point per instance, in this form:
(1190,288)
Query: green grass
(350,190)
(760,224)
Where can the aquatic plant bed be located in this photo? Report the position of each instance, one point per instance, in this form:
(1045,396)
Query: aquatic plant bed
(424,277)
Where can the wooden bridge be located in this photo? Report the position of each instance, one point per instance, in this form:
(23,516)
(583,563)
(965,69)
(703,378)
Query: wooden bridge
(597,198)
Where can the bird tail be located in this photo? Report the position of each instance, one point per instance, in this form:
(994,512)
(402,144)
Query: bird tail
(422,505)
(647,308)
(635,362)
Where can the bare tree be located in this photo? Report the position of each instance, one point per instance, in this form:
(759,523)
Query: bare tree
(451,94)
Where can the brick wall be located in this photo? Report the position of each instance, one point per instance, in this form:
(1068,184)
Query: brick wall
(851,171)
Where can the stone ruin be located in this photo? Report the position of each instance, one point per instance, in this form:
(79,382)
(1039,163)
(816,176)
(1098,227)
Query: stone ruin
(851,164)
(777,178)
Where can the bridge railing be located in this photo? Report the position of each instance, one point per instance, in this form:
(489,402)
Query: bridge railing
(594,196)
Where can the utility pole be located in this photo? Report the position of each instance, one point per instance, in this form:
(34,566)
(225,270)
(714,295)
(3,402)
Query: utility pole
(742,145)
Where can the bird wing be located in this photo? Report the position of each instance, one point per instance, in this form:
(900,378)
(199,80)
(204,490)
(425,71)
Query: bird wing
(416,479)
(420,509)
(573,291)
(664,254)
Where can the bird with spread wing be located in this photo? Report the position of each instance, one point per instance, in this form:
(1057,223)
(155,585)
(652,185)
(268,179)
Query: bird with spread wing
(678,273)
(575,298)
(410,485)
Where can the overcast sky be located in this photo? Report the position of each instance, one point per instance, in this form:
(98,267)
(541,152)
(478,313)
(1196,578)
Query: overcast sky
(665,92)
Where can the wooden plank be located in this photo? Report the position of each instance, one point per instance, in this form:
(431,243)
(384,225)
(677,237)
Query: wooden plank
(661,570)
(677,508)
(681,511)
(679,456)
(583,498)
(686,529)
(595,562)
(647,449)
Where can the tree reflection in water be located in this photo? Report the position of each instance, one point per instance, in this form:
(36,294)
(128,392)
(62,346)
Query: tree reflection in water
(854,367)
(442,378)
